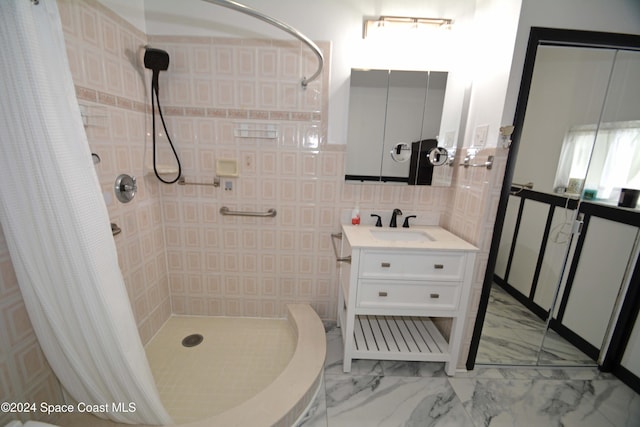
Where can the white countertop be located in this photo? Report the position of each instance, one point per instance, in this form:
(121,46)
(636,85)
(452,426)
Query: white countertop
(360,236)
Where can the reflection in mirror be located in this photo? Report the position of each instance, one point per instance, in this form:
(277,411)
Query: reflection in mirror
(561,144)
(367,110)
(438,156)
(395,120)
(567,91)
(611,154)
(401,152)
(553,297)
(615,162)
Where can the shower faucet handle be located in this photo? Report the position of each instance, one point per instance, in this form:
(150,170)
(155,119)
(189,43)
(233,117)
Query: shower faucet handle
(125,188)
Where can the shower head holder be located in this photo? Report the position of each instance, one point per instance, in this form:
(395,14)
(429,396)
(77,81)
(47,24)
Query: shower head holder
(156,60)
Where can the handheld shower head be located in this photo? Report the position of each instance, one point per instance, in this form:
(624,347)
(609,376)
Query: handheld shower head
(156,60)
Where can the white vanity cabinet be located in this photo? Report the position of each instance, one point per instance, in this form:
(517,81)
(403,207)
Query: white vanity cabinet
(392,289)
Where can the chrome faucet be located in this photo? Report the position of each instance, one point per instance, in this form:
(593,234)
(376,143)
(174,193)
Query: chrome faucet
(395,213)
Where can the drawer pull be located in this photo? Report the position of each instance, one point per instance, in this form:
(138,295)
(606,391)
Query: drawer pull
(434,296)
(382,294)
(385,264)
(438,266)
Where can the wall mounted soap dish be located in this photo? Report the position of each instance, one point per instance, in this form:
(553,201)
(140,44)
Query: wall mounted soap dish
(227,167)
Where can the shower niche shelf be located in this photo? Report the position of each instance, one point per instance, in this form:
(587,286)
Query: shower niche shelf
(256,131)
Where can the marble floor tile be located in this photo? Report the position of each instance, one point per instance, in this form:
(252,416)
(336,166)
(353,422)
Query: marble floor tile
(543,403)
(371,400)
(396,393)
(619,404)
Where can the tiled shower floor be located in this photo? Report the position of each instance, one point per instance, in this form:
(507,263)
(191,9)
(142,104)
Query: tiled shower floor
(237,358)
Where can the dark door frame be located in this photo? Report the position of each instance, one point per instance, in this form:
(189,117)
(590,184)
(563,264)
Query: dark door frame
(558,37)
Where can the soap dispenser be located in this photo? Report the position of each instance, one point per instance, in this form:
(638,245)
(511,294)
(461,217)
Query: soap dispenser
(355,215)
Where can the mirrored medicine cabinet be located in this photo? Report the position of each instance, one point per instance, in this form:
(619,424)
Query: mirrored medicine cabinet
(403,127)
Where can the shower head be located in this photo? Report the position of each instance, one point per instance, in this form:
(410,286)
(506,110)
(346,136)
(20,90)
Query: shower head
(156,60)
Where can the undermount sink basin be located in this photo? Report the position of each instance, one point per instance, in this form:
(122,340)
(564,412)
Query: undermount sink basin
(402,235)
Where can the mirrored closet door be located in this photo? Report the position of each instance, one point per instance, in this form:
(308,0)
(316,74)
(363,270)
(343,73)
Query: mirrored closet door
(567,249)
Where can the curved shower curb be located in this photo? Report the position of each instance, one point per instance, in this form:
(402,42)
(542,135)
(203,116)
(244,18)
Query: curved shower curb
(291,393)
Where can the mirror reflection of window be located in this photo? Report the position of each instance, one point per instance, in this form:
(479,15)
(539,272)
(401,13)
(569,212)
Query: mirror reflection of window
(615,163)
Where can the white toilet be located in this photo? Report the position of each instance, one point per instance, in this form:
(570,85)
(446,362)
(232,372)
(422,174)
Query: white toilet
(28,424)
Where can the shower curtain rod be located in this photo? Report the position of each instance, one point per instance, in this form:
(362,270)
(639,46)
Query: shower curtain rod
(284,27)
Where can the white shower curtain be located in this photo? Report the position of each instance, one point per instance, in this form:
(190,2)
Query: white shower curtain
(57,227)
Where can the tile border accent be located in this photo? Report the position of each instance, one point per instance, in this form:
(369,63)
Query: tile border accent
(107,99)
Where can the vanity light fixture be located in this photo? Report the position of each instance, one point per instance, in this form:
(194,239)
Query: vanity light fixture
(402,23)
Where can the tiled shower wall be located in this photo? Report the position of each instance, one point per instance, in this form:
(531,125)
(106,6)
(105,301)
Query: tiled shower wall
(104,54)
(242,100)
(25,375)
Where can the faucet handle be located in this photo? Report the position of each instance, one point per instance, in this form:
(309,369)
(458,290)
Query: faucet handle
(406,221)
(379,221)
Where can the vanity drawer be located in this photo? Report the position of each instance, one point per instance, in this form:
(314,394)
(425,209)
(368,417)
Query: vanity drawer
(408,295)
(412,265)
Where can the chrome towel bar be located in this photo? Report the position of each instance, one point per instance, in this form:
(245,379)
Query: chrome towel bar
(519,188)
(225,211)
(338,236)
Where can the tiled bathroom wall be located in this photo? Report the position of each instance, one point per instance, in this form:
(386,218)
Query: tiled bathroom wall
(105,54)
(25,375)
(242,100)
(223,99)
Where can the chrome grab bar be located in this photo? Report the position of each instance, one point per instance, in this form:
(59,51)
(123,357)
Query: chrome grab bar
(281,25)
(215,183)
(225,211)
(347,258)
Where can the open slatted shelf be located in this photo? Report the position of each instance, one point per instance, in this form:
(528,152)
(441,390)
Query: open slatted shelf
(398,338)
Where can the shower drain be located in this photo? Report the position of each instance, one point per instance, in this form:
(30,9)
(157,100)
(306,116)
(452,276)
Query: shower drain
(192,340)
